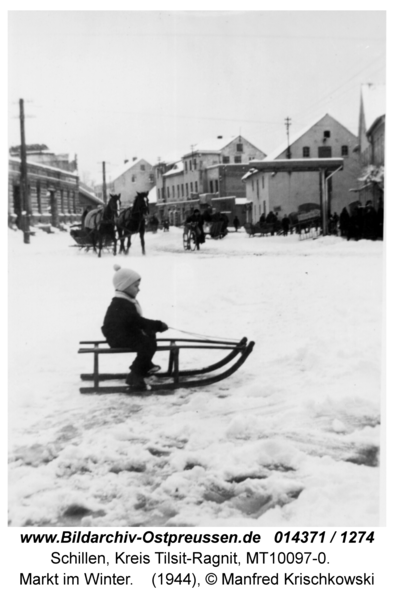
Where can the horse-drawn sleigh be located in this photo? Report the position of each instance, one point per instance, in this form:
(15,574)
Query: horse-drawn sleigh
(107,226)
(85,240)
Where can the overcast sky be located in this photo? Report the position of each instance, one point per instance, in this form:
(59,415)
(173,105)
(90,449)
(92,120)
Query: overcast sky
(108,86)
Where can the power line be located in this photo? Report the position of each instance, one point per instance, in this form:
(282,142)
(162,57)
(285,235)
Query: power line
(339,87)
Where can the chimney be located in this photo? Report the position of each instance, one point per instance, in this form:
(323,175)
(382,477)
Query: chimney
(126,160)
(134,158)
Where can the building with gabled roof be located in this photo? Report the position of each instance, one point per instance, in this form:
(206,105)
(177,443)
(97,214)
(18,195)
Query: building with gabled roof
(211,169)
(129,178)
(283,193)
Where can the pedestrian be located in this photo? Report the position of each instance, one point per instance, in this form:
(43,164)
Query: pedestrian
(370,222)
(236,223)
(224,221)
(125,327)
(344,222)
(285,225)
(380,220)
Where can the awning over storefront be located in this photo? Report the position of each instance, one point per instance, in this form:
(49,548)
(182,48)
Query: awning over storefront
(297,164)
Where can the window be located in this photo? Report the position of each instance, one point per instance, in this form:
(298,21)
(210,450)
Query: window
(74,203)
(252,184)
(191,165)
(240,147)
(251,157)
(257,188)
(68,201)
(306,152)
(61,201)
(142,167)
(185,166)
(345,151)
(216,185)
(158,193)
(324,152)
(182,190)
(187,190)
(177,190)
(168,192)
(327,134)
(262,182)
(196,187)
(151,178)
(173,191)
(133,179)
(226,159)
(237,159)
(211,186)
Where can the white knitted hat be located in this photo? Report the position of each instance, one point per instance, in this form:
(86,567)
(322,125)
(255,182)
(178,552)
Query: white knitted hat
(124,277)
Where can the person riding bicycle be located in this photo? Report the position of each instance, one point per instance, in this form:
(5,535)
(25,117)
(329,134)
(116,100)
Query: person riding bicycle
(196,221)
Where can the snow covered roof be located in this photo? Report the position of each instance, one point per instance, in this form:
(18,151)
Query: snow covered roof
(118,171)
(212,145)
(374,102)
(177,169)
(153,195)
(44,166)
(250,173)
(242,201)
(293,138)
(89,192)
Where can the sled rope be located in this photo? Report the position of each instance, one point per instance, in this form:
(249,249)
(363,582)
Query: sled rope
(202,336)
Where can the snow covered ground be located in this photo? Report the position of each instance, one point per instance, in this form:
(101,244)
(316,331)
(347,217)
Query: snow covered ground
(291,439)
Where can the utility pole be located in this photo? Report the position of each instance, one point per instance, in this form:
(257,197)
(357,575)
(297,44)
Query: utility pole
(25,216)
(104,185)
(287,123)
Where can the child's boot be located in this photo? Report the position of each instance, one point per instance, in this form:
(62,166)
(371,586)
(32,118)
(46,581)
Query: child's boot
(137,382)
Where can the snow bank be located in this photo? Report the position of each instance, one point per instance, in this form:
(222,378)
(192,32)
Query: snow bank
(292,438)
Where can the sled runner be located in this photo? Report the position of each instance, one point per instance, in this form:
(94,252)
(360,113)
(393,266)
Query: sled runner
(174,377)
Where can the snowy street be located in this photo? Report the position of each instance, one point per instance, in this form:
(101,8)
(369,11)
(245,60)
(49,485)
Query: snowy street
(291,439)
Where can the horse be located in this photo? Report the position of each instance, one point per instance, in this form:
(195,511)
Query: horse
(132,220)
(100,223)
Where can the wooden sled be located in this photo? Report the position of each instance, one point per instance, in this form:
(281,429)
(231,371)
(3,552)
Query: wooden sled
(174,377)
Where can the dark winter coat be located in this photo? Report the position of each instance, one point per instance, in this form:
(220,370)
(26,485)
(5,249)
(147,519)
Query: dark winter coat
(124,327)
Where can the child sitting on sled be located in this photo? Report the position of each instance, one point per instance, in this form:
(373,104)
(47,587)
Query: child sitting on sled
(125,327)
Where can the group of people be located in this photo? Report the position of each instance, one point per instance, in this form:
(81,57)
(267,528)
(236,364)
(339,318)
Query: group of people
(362,222)
(276,224)
(217,221)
